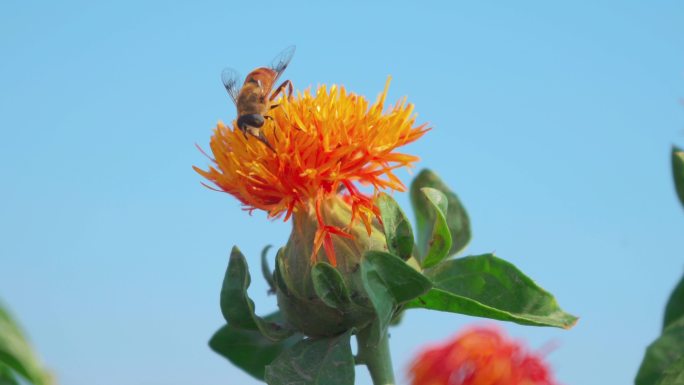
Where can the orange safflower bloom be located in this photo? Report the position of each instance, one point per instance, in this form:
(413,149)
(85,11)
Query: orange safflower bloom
(325,144)
(480,356)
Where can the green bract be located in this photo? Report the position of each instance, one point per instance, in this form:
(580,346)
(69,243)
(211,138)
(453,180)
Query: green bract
(396,226)
(456,215)
(314,299)
(377,277)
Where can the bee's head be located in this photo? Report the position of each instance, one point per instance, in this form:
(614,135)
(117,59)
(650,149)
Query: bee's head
(250,120)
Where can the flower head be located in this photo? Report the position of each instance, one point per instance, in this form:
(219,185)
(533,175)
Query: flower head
(480,356)
(324,144)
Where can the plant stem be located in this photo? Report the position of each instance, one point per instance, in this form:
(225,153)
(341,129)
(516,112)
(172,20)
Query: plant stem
(376,357)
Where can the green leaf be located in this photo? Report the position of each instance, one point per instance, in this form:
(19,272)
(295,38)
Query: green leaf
(16,355)
(396,226)
(674,374)
(6,375)
(662,354)
(678,171)
(487,286)
(321,361)
(237,307)
(456,216)
(266,270)
(389,281)
(675,305)
(329,286)
(401,280)
(438,242)
(249,349)
(382,301)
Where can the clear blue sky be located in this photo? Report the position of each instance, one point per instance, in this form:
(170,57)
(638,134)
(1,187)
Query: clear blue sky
(552,122)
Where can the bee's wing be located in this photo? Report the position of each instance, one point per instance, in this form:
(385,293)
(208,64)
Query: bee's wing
(231,80)
(280,62)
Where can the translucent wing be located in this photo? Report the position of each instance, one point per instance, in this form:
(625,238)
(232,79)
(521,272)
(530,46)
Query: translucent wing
(231,80)
(280,62)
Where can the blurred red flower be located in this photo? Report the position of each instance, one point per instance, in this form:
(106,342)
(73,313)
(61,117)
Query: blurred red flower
(480,356)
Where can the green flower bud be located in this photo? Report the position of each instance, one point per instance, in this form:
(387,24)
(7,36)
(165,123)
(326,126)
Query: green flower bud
(297,298)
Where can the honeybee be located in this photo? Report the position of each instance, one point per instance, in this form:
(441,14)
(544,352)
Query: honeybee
(255,98)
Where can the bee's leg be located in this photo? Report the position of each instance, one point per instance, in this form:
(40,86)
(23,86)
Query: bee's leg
(274,130)
(263,139)
(280,88)
(290,89)
(243,129)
